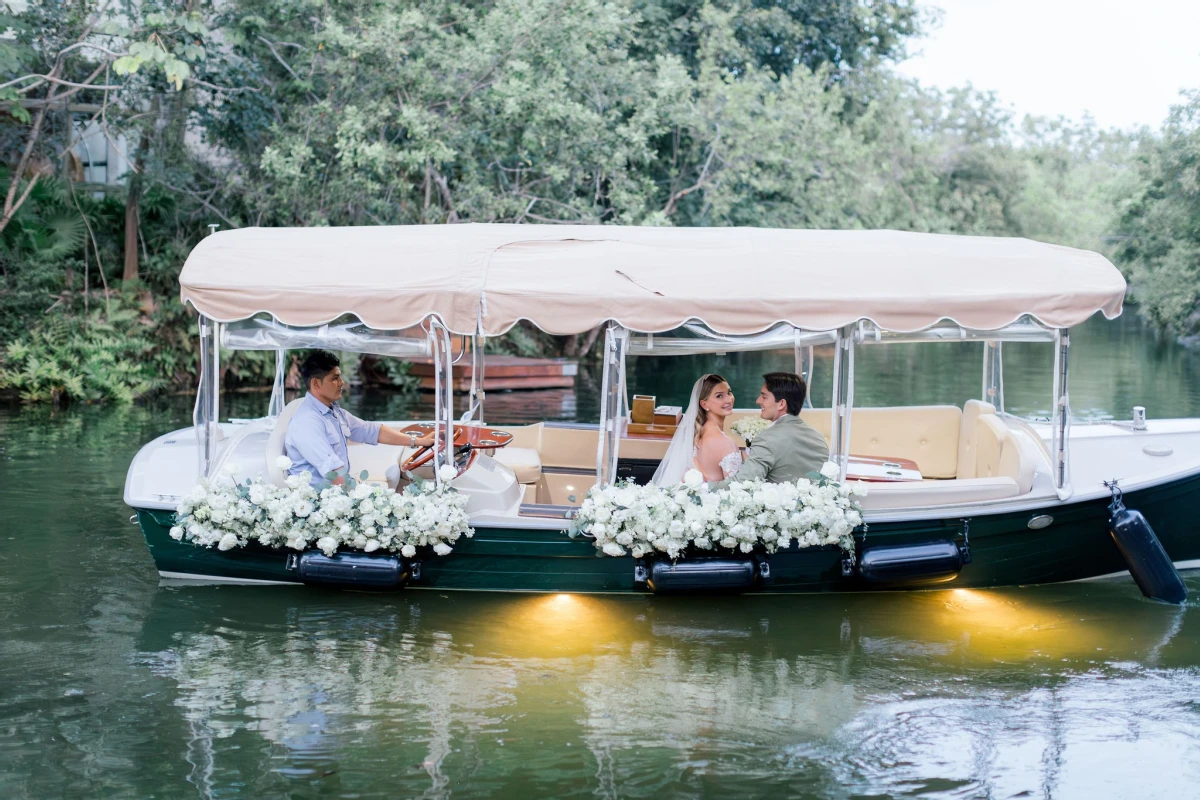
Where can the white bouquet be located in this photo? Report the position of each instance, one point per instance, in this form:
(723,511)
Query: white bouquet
(359,516)
(641,520)
(749,427)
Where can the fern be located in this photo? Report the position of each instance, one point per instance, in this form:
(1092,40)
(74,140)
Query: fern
(87,358)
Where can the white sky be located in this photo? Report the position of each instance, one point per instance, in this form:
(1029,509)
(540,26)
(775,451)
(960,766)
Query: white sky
(1124,61)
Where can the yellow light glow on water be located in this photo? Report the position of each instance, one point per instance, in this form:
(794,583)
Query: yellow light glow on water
(558,624)
(1001,625)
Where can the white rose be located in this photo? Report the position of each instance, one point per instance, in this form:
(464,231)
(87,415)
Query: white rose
(327,545)
(859,489)
(408,551)
(447,472)
(830,470)
(231,469)
(442,549)
(371,546)
(177,533)
(693,478)
(228,542)
(613,549)
(283,463)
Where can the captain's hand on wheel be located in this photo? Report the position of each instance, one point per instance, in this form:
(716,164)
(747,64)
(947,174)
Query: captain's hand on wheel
(392,436)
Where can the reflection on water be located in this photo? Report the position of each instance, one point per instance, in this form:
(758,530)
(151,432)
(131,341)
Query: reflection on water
(112,686)
(984,693)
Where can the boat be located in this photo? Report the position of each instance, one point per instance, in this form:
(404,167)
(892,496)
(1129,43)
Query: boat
(997,500)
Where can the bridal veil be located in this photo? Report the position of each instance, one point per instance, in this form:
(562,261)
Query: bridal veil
(681,453)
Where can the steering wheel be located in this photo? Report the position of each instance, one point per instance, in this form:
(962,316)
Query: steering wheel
(469,441)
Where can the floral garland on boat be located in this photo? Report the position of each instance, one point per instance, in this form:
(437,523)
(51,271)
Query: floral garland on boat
(357,516)
(642,520)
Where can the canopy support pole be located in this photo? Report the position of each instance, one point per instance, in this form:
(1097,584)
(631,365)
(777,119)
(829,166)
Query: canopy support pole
(206,415)
(804,365)
(612,402)
(443,396)
(278,398)
(843,400)
(1061,419)
(475,398)
(993,375)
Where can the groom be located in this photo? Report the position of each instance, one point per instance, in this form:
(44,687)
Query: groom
(789,449)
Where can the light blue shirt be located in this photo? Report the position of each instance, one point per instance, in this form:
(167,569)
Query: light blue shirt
(316,438)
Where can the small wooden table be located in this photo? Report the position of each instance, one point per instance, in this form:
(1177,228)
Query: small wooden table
(881,469)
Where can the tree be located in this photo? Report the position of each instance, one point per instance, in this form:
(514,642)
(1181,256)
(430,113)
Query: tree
(1159,227)
(84,58)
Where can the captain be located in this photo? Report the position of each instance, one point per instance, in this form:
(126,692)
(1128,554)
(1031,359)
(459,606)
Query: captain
(317,435)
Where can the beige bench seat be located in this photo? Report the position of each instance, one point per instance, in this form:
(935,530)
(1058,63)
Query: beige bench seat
(525,462)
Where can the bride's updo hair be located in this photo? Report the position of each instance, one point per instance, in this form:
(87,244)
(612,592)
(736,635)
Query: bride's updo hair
(707,384)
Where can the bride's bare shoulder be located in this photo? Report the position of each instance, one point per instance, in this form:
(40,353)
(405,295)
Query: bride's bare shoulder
(715,442)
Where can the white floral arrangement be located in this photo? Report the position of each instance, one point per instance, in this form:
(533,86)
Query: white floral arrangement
(356,516)
(643,520)
(749,427)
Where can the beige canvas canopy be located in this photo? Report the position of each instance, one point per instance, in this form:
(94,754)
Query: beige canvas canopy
(568,279)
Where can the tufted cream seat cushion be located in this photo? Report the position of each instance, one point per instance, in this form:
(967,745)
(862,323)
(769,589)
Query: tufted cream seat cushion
(968,437)
(990,435)
(926,434)
(1019,459)
(523,461)
(275,442)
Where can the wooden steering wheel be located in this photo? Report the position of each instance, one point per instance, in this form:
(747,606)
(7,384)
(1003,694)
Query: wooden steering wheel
(469,441)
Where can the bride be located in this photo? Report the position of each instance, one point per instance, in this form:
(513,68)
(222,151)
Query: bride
(700,441)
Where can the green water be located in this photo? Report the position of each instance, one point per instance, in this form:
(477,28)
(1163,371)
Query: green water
(114,686)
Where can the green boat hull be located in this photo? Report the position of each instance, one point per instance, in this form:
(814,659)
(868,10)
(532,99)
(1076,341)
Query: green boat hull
(1005,551)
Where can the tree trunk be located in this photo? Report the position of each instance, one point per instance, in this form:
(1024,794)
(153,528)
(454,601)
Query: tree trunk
(131,211)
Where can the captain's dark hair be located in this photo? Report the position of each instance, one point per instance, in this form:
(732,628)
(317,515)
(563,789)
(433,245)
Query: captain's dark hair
(318,364)
(789,387)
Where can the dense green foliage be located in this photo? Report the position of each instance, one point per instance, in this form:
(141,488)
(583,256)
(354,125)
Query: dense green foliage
(1160,224)
(636,112)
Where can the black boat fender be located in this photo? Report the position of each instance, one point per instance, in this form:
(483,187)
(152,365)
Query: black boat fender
(1148,562)
(353,570)
(702,575)
(913,565)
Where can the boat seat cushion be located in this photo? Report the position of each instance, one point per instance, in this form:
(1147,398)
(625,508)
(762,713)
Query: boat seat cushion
(968,436)
(1019,459)
(275,442)
(990,435)
(926,434)
(523,461)
(938,493)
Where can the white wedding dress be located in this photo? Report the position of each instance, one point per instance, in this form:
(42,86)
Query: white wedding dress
(681,454)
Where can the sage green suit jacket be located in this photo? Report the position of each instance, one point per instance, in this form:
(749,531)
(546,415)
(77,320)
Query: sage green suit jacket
(786,451)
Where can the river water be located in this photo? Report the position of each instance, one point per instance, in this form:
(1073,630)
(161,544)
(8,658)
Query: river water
(112,685)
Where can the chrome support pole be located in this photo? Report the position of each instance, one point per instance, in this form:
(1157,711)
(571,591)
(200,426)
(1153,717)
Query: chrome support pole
(804,366)
(612,389)
(443,395)
(843,400)
(993,375)
(278,396)
(1061,418)
(205,416)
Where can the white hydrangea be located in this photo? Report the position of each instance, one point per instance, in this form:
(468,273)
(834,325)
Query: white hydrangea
(225,514)
(627,519)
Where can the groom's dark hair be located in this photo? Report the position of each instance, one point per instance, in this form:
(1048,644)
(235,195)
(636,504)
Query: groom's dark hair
(789,387)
